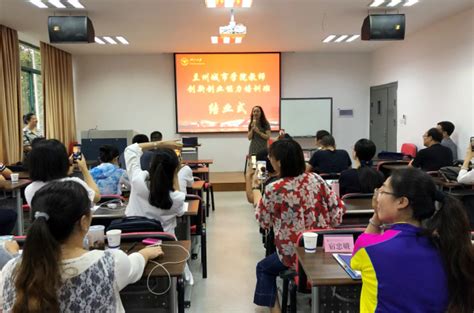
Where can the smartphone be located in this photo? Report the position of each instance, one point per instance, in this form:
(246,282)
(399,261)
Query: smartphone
(261,170)
(472,144)
(76,152)
(151,241)
(253,159)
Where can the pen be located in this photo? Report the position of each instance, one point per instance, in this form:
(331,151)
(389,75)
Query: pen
(131,247)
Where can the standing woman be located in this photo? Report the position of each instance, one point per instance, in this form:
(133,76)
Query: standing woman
(259,130)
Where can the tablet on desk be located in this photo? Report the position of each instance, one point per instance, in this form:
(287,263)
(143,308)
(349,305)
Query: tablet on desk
(344,260)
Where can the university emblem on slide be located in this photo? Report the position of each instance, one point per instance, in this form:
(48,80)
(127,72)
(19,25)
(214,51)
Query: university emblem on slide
(184,61)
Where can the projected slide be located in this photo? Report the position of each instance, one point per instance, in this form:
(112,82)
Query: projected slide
(216,92)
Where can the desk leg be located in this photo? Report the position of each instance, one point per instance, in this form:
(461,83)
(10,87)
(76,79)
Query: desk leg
(188,227)
(19,211)
(180,288)
(314,299)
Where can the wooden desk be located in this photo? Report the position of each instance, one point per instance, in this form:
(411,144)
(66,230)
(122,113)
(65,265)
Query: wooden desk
(322,270)
(206,162)
(15,188)
(201,170)
(441,183)
(176,271)
(393,167)
(24,175)
(198,185)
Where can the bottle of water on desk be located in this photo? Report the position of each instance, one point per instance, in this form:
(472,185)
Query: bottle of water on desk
(335,187)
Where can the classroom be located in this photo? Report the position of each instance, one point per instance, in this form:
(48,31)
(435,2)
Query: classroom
(236,155)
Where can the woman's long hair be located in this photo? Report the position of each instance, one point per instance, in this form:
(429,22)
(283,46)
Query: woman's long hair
(263,120)
(37,277)
(369,178)
(162,173)
(448,226)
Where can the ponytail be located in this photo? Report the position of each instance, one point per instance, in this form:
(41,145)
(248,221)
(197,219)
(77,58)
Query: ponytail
(57,208)
(38,275)
(449,227)
(162,174)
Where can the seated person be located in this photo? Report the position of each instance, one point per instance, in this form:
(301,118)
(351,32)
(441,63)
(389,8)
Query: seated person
(328,159)
(7,216)
(49,161)
(465,176)
(155,193)
(435,156)
(55,273)
(319,135)
(185,176)
(156,136)
(447,129)
(108,176)
(424,256)
(290,211)
(363,178)
(140,138)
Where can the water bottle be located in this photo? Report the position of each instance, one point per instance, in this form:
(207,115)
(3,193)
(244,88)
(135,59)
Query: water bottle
(335,187)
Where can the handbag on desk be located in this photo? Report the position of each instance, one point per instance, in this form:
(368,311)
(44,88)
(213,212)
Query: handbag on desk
(449,173)
(132,224)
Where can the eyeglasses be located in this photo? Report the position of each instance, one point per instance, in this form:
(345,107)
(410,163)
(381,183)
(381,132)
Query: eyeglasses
(381,192)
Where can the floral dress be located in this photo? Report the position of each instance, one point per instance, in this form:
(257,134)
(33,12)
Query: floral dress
(293,204)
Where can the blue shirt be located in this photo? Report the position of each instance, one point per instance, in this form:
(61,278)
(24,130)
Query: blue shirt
(108,178)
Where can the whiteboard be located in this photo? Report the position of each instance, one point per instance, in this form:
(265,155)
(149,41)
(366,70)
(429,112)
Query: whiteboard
(303,117)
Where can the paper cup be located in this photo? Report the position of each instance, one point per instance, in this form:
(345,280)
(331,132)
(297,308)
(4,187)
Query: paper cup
(14,177)
(310,241)
(95,237)
(113,238)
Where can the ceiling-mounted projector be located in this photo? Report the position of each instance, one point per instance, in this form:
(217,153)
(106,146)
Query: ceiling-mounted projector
(383,27)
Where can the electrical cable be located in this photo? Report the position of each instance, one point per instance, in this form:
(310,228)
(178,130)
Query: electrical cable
(162,265)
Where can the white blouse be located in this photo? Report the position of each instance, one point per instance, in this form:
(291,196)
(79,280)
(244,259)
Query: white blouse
(185,178)
(32,188)
(138,204)
(465,177)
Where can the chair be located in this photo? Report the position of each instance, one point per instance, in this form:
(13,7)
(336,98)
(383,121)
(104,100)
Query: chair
(409,149)
(198,228)
(132,224)
(209,192)
(386,167)
(294,281)
(358,209)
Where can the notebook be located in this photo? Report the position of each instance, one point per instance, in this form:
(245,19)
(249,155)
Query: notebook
(344,260)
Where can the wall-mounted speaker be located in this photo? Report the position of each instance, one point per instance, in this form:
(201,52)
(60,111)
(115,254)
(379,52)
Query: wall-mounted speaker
(70,29)
(383,27)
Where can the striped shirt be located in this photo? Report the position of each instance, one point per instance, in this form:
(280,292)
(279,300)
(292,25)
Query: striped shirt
(402,271)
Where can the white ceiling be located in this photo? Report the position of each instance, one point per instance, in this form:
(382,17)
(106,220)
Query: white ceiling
(162,26)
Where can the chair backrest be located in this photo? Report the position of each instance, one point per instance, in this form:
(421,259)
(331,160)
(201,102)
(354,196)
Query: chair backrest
(326,176)
(138,236)
(409,149)
(111,198)
(357,196)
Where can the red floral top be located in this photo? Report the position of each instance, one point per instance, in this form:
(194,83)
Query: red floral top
(292,204)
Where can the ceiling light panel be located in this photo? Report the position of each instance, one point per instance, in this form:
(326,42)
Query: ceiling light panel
(341,38)
(39,4)
(122,40)
(99,41)
(228,3)
(329,38)
(352,38)
(409,3)
(58,4)
(376,3)
(76,4)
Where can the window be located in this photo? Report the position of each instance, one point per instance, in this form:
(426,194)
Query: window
(31,83)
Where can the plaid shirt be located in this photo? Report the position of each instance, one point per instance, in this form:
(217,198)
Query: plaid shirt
(293,204)
(29,135)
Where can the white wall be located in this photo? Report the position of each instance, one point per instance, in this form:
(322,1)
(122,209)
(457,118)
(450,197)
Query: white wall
(137,92)
(434,69)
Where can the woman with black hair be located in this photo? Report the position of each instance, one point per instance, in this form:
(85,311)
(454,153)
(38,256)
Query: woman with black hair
(30,131)
(155,193)
(291,204)
(55,273)
(363,178)
(108,176)
(259,130)
(416,254)
(48,161)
